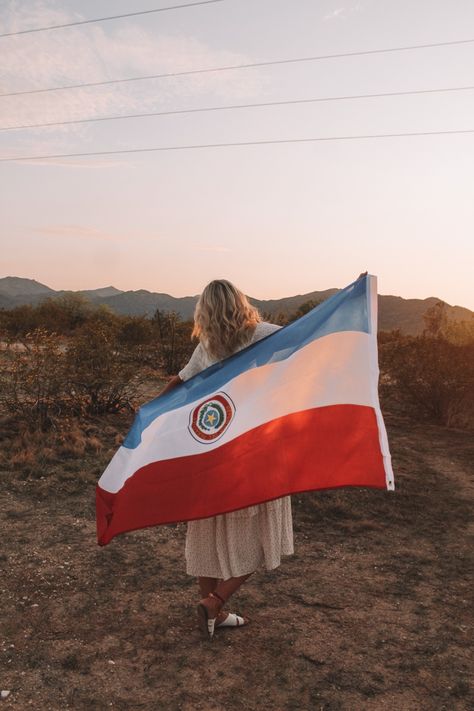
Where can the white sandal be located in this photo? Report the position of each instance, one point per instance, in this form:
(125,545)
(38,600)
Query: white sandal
(207,624)
(232,620)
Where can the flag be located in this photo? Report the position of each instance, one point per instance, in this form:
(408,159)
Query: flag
(296,411)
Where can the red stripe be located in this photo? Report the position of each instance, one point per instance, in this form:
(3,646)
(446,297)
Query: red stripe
(322,448)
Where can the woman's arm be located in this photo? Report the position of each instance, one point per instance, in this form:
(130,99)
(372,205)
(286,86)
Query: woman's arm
(175,380)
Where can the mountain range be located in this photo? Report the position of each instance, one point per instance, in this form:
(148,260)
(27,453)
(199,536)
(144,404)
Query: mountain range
(394,311)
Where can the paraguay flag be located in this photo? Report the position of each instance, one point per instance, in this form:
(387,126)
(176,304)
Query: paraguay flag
(293,412)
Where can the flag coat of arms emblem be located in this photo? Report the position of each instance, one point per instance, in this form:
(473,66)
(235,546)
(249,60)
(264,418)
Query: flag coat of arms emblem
(296,411)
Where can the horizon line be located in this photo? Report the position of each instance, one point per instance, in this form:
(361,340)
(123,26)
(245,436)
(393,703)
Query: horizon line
(194,296)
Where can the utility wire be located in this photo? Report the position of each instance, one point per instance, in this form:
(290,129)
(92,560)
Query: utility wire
(249,65)
(110,17)
(235,106)
(243,143)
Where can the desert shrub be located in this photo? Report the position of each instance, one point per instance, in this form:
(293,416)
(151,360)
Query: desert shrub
(431,375)
(32,378)
(173,345)
(280,319)
(102,375)
(33,450)
(135,331)
(63,315)
(303,309)
(44,378)
(460,332)
(18,321)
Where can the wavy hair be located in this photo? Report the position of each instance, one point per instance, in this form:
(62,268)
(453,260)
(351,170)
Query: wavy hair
(224,320)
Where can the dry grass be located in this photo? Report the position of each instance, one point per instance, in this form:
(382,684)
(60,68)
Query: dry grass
(373,612)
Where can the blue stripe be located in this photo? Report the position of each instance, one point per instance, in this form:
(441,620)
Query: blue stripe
(345,311)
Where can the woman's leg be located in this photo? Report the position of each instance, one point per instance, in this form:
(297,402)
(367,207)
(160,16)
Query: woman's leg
(224,588)
(207,585)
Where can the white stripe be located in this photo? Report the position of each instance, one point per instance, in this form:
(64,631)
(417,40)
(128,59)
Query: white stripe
(335,369)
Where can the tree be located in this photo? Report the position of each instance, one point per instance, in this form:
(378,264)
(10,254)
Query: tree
(66,313)
(174,340)
(135,331)
(303,309)
(32,378)
(429,375)
(102,377)
(436,320)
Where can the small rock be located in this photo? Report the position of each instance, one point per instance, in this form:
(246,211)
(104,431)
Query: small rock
(111,661)
(5,694)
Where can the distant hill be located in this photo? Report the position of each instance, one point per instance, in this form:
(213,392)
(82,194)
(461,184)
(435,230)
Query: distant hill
(102,293)
(142,302)
(394,311)
(13,287)
(290,304)
(6,302)
(407,314)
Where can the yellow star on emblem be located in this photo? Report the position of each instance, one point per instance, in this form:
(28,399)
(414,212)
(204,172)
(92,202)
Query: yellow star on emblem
(210,418)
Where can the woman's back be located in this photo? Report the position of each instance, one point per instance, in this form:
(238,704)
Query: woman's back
(202,359)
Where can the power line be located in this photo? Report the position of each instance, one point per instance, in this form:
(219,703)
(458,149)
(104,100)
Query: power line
(236,106)
(110,17)
(231,67)
(236,144)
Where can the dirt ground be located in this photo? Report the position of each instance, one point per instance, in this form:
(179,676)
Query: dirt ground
(373,612)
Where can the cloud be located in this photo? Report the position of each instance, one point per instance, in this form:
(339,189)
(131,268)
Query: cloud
(97,53)
(334,13)
(343,12)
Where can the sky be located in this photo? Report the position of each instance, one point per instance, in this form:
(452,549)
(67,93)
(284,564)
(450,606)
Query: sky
(277,219)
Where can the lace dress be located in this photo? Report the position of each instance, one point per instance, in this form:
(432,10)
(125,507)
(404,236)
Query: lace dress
(237,543)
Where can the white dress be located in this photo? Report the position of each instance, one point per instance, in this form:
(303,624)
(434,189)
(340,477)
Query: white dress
(237,543)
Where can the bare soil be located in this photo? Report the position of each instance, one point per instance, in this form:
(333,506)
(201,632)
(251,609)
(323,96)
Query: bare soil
(373,612)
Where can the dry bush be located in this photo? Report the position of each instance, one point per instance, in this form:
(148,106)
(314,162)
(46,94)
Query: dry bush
(60,314)
(163,341)
(31,449)
(431,375)
(45,378)
(135,331)
(173,346)
(303,309)
(32,378)
(102,373)
(65,313)
(71,440)
(18,321)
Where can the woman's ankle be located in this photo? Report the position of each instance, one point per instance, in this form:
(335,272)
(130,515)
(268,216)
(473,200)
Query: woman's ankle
(219,597)
(213,604)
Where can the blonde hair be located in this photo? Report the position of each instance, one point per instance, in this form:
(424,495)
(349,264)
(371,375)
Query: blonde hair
(224,320)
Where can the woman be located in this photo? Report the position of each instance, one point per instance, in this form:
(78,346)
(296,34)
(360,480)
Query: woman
(223,551)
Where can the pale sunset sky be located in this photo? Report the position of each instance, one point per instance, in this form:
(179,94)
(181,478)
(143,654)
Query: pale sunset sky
(277,220)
